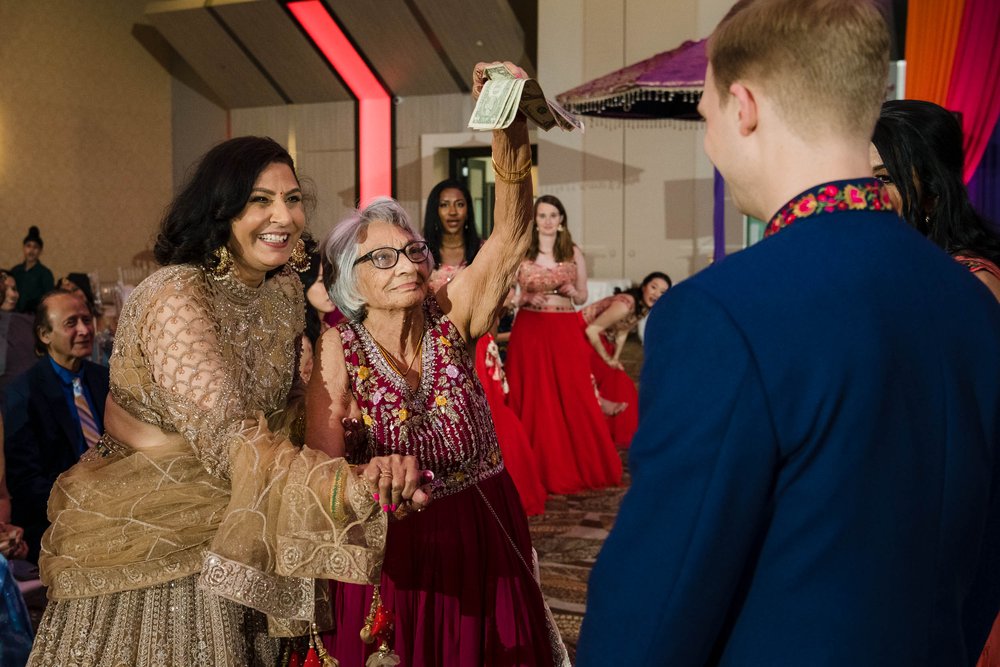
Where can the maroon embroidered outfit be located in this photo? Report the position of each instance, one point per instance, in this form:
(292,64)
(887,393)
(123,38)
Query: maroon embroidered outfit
(457,576)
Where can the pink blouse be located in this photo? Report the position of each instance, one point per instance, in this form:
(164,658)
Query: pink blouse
(537,278)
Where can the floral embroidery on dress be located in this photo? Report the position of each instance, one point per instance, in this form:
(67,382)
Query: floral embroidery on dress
(445,421)
(867,194)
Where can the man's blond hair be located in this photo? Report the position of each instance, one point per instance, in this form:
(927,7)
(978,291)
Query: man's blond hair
(824,62)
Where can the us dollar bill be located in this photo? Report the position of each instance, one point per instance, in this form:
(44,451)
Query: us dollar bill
(503,96)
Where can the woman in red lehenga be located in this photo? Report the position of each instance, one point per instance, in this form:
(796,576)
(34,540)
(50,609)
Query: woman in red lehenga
(551,388)
(450,232)
(458,579)
(514,442)
(608,323)
(917,152)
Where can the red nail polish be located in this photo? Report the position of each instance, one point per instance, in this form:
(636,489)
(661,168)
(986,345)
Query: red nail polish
(393,507)
(375,497)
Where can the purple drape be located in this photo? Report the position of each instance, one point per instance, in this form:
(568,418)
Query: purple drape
(984,188)
(975,78)
(719,218)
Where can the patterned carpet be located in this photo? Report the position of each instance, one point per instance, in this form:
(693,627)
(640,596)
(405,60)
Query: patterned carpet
(568,538)
(570,534)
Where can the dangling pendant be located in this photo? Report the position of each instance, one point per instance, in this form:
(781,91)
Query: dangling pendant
(325,659)
(378,627)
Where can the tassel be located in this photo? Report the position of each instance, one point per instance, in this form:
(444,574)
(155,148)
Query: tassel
(312,658)
(384,657)
(378,627)
(325,659)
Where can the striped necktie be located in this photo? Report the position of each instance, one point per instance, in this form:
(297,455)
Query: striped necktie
(91,433)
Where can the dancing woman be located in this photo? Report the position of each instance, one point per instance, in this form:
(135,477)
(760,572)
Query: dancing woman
(458,577)
(450,230)
(548,369)
(192,526)
(608,323)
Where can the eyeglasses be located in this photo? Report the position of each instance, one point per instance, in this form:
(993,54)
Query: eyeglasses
(386,258)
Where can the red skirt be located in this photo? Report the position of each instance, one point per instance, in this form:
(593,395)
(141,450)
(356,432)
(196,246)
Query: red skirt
(615,385)
(990,656)
(460,593)
(514,444)
(552,392)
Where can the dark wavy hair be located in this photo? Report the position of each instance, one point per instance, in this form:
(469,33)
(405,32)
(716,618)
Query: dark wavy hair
(434,230)
(921,147)
(198,220)
(636,292)
(562,251)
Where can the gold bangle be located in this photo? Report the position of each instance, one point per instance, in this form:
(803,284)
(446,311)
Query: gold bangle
(517,176)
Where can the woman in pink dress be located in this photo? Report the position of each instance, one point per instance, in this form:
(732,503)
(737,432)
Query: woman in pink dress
(608,323)
(457,578)
(450,232)
(548,368)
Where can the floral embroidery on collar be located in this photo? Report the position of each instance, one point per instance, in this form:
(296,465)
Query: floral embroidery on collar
(866,194)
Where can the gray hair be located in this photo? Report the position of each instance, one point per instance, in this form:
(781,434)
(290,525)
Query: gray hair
(339,251)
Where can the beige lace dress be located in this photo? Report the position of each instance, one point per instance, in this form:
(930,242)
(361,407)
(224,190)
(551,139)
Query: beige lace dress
(181,544)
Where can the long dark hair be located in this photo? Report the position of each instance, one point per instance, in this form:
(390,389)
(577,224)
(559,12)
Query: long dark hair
(434,230)
(921,147)
(636,292)
(198,220)
(563,249)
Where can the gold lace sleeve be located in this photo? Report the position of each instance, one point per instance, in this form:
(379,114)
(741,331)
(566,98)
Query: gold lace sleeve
(192,379)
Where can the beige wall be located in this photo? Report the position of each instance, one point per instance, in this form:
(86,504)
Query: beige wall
(638,194)
(85,133)
(95,137)
(321,138)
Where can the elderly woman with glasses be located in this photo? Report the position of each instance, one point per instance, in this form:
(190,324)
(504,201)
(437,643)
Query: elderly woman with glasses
(457,580)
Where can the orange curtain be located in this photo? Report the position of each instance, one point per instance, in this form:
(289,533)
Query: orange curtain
(932,28)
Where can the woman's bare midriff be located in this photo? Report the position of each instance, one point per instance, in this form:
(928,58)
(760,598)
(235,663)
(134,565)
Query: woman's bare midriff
(138,435)
(554,303)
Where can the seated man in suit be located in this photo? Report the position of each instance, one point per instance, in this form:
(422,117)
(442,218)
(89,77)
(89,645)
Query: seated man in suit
(815,474)
(54,411)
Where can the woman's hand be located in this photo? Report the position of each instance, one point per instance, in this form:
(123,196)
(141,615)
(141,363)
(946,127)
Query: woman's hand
(569,290)
(479,77)
(12,544)
(534,299)
(398,479)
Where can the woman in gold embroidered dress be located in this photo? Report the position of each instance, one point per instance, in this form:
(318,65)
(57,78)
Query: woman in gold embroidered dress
(194,520)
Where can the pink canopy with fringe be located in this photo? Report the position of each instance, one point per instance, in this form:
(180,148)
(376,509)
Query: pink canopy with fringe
(668,85)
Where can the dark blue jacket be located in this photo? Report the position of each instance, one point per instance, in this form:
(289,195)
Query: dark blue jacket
(815,474)
(40,440)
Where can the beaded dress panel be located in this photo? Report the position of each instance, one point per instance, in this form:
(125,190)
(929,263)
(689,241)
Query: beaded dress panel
(534,277)
(445,422)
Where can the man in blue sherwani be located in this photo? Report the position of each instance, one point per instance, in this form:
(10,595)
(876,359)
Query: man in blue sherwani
(815,475)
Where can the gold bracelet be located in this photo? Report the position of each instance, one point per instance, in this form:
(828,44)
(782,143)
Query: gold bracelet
(518,176)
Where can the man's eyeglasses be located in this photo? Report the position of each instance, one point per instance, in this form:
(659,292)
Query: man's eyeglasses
(386,258)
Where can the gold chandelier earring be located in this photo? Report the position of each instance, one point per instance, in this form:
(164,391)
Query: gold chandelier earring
(299,259)
(223,263)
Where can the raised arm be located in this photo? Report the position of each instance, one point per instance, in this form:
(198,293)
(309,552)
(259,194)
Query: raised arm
(471,299)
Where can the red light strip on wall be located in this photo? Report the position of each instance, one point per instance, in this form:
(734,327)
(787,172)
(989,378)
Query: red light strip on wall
(374,102)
